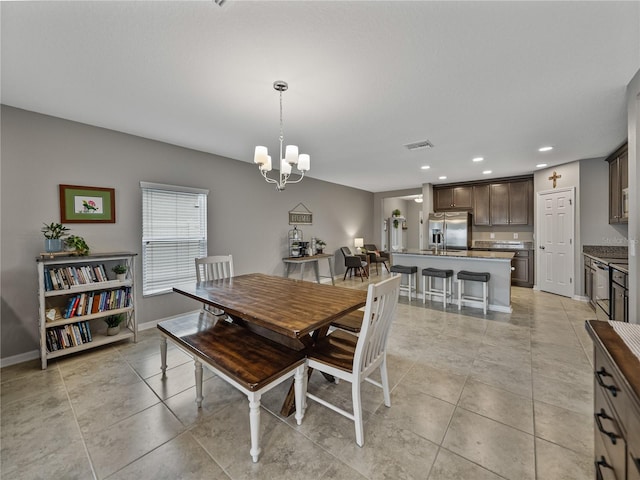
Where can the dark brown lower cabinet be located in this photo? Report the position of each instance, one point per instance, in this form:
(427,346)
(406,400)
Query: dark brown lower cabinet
(616,404)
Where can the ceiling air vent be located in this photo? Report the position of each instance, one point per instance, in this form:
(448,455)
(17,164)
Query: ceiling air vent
(419,145)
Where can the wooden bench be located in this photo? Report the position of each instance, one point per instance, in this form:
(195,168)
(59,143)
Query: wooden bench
(249,362)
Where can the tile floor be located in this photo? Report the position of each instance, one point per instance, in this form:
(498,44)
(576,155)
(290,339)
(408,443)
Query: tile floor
(502,396)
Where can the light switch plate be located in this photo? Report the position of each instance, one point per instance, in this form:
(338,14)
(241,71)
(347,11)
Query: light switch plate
(492,235)
(515,236)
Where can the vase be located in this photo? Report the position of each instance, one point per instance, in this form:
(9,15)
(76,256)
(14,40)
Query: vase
(121,277)
(113,330)
(53,244)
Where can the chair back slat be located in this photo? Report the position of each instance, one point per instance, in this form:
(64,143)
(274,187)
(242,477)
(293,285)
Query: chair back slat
(380,310)
(215,267)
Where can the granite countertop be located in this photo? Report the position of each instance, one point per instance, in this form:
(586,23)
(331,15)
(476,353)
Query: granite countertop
(459,254)
(503,244)
(621,267)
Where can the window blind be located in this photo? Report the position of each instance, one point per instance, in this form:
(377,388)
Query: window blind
(174,233)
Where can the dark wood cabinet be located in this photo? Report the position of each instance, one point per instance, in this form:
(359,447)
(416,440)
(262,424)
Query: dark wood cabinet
(499,204)
(453,198)
(522,268)
(520,211)
(616,395)
(619,186)
(511,203)
(507,201)
(481,205)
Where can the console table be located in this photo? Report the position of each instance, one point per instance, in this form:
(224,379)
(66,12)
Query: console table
(291,261)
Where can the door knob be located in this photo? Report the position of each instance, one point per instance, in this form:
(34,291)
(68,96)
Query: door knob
(541,247)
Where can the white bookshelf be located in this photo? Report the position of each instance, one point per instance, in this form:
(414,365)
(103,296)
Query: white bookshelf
(57,299)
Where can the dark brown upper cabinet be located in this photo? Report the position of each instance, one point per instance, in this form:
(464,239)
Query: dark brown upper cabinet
(619,186)
(481,205)
(453,198)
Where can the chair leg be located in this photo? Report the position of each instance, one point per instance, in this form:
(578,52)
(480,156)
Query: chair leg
(384,377)
(345,274)
(357,412)
(485,296)
(386,266)
(254,424)
(460,294)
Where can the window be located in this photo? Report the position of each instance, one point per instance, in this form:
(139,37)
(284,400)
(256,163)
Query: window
(174,233)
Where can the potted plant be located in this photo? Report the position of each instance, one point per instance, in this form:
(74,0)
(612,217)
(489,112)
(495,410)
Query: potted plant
(396,213)
(53,234)
(77,244)
(120,271)
(113,323)
(320,244)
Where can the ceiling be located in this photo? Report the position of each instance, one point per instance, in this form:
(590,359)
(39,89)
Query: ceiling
(491,79)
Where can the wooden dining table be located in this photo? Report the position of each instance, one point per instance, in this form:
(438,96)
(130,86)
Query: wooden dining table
(291,312)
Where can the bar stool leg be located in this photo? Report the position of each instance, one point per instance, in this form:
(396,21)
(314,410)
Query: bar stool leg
(444,292)
(460,286)
(485,296)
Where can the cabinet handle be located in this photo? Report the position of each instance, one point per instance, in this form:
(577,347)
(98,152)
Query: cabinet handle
(601,463)
(603,373)
(612,436)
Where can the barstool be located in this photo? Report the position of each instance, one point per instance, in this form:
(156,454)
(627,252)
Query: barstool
(410,271)
(474,277)
(428,275)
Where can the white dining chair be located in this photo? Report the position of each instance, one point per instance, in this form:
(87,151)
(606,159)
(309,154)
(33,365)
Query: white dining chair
(214,267)
(354,358)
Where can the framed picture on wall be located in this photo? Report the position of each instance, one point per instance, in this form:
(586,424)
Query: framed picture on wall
(80,204)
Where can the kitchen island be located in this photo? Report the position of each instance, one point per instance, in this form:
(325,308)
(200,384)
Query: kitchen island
(498,264)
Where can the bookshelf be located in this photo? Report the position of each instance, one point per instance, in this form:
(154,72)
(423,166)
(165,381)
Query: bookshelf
(76,294)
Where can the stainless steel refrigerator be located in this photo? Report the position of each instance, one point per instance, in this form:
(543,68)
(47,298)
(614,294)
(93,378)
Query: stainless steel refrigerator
(449,230)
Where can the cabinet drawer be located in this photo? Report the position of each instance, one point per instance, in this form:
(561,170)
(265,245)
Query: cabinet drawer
(619,277)
(633,443)
(607,427)
(603,465)
(607,381)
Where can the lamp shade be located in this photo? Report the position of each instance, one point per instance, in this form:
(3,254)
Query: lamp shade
(285,167)
(291,154)
(358,242)
(260,157)
(304,162)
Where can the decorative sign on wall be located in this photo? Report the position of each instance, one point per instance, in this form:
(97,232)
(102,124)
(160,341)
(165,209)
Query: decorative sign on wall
(300,215)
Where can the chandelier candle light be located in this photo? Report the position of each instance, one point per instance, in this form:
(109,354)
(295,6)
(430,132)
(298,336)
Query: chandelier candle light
(291,156)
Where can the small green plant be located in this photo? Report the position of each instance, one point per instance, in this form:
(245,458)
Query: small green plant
(119,269)
(54,231)
(396,213)
(78,244)
(114,320)
(320,243)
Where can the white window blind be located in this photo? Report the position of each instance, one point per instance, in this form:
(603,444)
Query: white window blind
(174,233)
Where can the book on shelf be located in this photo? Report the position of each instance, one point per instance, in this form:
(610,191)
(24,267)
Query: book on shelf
(66,336)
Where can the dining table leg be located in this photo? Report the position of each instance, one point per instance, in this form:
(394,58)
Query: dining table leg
(289,404)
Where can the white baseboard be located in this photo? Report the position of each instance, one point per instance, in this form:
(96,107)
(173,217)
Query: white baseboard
(23,357)
(154,323)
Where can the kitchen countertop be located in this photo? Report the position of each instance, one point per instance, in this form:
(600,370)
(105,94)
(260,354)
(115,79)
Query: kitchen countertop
(502,245)
(460,254)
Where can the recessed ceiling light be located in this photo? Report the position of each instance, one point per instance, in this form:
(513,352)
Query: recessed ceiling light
(486,172)
(545,149)
(540,165)
(443,177)
(425,167)
(478,159)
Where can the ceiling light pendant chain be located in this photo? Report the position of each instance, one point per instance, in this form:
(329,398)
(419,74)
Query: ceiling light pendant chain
(290,158)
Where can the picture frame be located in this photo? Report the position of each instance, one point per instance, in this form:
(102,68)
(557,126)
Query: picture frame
(80,204)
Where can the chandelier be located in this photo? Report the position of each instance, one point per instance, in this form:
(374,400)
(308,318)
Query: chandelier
(291,157)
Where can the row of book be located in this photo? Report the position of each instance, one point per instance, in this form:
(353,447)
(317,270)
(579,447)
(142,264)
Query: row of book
(67,277)
(67,336)
(95,302)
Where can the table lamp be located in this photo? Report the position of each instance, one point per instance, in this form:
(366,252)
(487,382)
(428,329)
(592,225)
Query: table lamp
(359,243)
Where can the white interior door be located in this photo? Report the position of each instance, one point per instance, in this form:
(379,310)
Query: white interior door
(556,229)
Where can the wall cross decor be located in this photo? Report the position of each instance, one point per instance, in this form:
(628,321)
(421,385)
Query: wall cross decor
(554,177)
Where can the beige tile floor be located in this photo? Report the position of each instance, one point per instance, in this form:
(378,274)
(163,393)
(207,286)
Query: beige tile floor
(501,396)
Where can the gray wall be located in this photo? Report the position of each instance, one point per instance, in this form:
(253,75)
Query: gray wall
(246,216)
(594,227)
